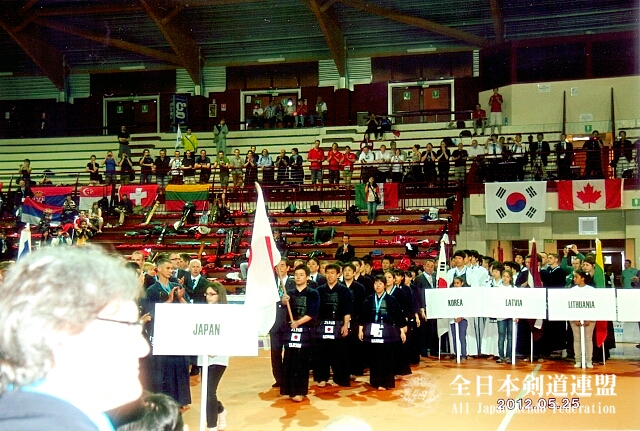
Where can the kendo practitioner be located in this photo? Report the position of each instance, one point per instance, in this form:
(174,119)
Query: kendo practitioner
(336,305)
(402,296)
(304,302)
(381,325)
(278,334)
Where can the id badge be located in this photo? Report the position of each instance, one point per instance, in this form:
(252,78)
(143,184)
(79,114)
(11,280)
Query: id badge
(376,330)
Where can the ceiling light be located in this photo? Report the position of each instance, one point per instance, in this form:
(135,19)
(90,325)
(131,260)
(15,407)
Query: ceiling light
(427,49)
(270,59)
(6,73)
(141,67)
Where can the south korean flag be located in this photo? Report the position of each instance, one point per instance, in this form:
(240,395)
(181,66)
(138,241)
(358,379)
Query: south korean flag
(516,202)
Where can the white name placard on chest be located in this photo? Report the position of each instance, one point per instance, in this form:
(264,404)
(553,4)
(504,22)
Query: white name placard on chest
(582,304)
(628,305)
(454,302)
(510,303)
(204,329)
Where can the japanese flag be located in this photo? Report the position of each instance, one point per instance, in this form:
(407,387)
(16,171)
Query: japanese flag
(295,337)
(589,195)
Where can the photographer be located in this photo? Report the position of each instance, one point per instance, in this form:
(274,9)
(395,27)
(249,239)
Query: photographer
(127,173)
(125,207)
(62,238)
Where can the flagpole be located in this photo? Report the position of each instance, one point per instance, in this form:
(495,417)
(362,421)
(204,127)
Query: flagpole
(514,339)
(457,342)
(582,346)
(203,392)
(531,358)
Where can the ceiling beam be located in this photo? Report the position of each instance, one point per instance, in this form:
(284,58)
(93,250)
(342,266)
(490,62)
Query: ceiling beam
(110,41)
(28,5)
(424,24)
(328,22)
(327,5)
(172,14)
(43,53)
(498,19)
(89,9)
(182,43)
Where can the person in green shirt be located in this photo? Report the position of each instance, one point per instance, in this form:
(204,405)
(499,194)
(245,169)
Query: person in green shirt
(576,263)
(222,164)
(628,273)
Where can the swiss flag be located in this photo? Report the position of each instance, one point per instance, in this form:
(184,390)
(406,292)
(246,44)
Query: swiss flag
(589,195)
(143,194)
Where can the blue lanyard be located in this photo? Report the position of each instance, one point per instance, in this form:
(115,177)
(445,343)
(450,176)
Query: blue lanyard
(393,290)
(378,303)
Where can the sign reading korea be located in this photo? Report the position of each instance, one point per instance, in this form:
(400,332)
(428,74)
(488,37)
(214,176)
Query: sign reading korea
(454,302)
(516,303)
(582,304)
(204,329)
(628,300)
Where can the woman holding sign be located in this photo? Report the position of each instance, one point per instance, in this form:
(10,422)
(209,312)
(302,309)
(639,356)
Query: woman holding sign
(381,325)
(580,281)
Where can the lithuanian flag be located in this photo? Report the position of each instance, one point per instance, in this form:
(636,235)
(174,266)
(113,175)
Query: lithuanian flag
(176,196)
(599,281)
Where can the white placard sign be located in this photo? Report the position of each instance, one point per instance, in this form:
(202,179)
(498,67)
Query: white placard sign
(628,305)
(582,304)
(454,302)
(204,329)
(516,303)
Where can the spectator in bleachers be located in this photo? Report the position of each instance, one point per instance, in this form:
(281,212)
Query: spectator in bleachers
(495,102)
(123,141)
(564,158)
(622,154)
(295,166)
(397,166)
(162,167)
(124,208)
(346,165)
(83,234)
(146,167)
(176,168)
(479,120)
(429,164)
(190,141)
(345,251)
(61,238)
(494,150)
(316,157)
(334,157)
(414,158)
(383,157)
(385,126)
(127,174)
(301,112)
(270,114)
(476,150)
(459,157)
(366,160)
(25,171)
(95,216)
(251,169)
(372,194)
(289,109)
(188,168)
(372,125)
(257,118)
(236,165)
(518,155)
(220,132)
(320,114)
(22,193)
(222,164)
(366,142)
(203,163)
(539,149)
(93,168)
(110,169)
(265,164)
(282,166)
(442,157)
(593,148)
(69,210)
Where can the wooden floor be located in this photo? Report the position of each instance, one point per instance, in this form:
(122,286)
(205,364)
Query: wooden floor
(440,395)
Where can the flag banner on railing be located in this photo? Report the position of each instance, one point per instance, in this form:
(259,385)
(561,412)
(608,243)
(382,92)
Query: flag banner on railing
(388,196)
(51,196)
(589,195)
(32,212)
(177,195)
(516,202)
(141,194)
(91,194)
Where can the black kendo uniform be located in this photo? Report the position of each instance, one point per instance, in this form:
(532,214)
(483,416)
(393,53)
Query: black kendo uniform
(355,348)
(402,366)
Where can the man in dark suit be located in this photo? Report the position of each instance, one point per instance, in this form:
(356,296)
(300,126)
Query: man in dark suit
(346,251)
(314,267)
(564,158)
(429,331)
(195,283)
(280,328)
(179,273)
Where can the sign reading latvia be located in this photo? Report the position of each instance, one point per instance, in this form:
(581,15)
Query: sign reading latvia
(628,300)
(454,302)
(203,329)
(516,303)
(582,304)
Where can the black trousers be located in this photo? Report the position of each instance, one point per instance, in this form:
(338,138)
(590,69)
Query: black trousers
(332,355)
(296,371)
(214,406)
(355,349)
(381,358)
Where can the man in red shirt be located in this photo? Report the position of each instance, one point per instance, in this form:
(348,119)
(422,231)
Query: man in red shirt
(334,157)
(495,101)
(348,159)
(479,117)
(316,157)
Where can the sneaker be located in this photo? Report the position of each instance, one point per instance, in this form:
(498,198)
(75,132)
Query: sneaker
(578,365)
(213,429)
(499,361)
(589,365)
(222,420)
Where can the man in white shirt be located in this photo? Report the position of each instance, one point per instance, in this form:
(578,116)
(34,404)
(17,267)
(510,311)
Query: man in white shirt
(367,158)
(383,157)
(459,269)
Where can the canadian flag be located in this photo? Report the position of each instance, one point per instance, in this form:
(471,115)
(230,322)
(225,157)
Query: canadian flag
(589,195)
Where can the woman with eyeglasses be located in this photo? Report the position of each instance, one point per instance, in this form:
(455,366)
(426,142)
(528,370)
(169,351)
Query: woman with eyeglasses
(215,293)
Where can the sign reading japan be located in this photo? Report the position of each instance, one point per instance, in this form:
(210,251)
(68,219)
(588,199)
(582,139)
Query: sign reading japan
(204,329)
(454,302)
(628,300)
(582,304)
(508,303)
